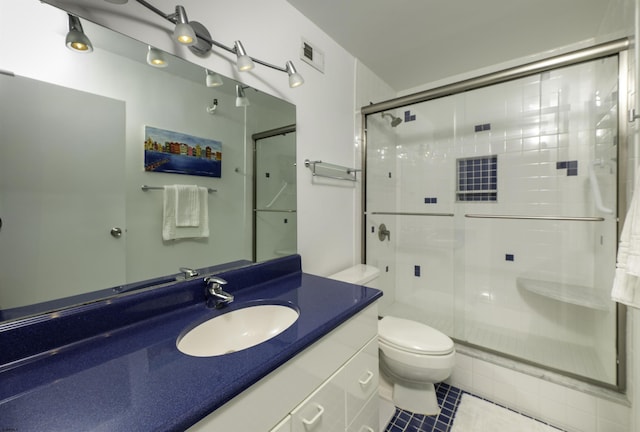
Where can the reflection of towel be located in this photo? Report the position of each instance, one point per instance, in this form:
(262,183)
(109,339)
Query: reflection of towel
(187,206)
(170,230)
(626,285)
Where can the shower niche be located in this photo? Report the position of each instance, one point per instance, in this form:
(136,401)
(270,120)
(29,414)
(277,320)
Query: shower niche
(505,197)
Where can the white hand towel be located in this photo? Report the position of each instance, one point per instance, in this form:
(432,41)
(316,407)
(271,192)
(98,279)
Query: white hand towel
(626,284)
(187,206)
(169,229)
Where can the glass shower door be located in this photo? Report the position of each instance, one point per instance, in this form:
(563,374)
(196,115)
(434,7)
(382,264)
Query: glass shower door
(501,206)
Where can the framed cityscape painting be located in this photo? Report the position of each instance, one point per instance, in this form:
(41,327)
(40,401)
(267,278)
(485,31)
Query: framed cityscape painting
(180,153)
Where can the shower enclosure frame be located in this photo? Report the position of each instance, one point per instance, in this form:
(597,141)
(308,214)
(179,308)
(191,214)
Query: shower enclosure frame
(619,47)
(284,130)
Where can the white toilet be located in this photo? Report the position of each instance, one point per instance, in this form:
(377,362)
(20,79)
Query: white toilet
(413,356)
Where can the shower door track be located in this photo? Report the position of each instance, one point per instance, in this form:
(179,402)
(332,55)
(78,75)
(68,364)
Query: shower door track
(595,52)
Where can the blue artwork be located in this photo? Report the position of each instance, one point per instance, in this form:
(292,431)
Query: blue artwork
(175,152)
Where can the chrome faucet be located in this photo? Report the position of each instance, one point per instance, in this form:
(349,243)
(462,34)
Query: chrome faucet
(215,295)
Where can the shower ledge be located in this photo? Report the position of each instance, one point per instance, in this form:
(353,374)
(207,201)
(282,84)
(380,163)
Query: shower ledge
(568,293)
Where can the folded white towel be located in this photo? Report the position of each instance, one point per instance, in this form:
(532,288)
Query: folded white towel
(626,284)
(170,231)
(187,206)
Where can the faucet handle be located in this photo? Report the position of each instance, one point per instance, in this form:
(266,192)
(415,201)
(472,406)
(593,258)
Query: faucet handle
(188,272)
(215,281)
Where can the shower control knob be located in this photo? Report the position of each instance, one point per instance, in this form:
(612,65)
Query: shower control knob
(383,233)
(116,232)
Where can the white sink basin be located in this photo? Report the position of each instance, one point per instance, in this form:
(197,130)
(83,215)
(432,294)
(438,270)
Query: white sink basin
(237,330)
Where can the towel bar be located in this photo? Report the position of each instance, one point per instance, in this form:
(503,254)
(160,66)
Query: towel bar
(146,188)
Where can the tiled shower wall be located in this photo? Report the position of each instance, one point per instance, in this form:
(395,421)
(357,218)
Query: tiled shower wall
(536,289)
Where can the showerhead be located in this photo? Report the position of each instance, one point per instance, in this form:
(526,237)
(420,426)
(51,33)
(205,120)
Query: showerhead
(395,121)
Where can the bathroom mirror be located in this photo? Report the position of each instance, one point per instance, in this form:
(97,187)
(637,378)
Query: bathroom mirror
(77,224)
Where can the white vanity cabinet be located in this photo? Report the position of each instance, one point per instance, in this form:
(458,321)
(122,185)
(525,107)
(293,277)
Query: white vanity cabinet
(323,411)
(327,387)
(337,405)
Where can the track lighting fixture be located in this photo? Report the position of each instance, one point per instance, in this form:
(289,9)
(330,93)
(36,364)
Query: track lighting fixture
(156,58)
(76,39)
(241,98)
(198,38)
(295,79)
(183,33)
(244,62)
(212,79)
(203,39)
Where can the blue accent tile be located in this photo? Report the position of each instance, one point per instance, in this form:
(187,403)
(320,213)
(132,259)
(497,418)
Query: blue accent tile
(434,200)
(509,257)
(478,128)
(408,117)
(561,165)
(486,126)
(572,171)
(572,164)
(416,271)
(477,175)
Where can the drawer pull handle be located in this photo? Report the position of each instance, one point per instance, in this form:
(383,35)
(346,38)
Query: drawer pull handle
(367,380)
(366,429)
(315,417)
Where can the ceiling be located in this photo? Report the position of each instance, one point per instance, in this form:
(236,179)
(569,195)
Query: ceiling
(408,43)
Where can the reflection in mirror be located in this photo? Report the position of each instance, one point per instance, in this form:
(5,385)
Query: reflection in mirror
(274,204)
(75,221)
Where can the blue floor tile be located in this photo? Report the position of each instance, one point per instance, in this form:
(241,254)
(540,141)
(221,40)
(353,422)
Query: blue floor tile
(448,400)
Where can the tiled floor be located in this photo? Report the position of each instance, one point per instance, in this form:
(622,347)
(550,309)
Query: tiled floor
(448,399)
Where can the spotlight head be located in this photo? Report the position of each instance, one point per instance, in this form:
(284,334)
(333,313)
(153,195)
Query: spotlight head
(295,79)
(76,39)
(156,58)
(183,32)
(244,62)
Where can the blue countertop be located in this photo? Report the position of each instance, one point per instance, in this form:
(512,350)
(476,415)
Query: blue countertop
(125,372)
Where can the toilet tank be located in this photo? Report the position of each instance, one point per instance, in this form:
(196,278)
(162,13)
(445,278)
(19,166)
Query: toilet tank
(360,274)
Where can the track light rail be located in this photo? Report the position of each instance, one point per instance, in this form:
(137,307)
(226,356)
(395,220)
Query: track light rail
(172,19)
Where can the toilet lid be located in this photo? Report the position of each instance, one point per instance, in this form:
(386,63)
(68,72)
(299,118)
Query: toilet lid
(413,336)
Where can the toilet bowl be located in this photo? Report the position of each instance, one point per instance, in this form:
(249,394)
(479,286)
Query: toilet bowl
(412,355)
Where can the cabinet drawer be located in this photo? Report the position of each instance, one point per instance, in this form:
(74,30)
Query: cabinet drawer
(361,378)
(368,419)
(323,411)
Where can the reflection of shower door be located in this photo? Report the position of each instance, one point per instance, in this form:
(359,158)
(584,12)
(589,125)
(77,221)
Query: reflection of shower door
(61,192)
(274,201)
(501,202)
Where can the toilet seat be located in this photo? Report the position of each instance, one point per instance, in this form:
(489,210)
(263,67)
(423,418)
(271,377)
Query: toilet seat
(413,337)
